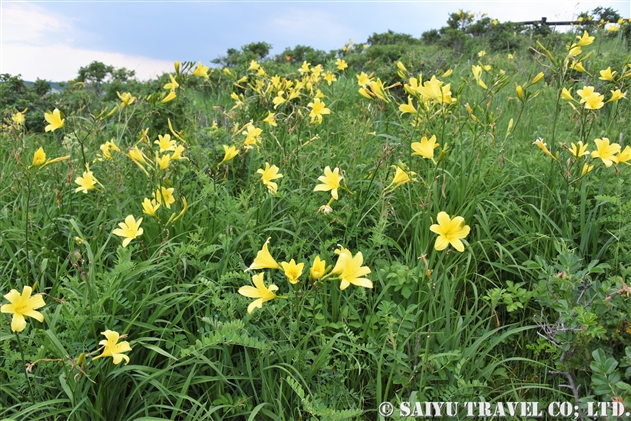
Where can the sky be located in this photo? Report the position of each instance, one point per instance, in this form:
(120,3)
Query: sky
(52,39)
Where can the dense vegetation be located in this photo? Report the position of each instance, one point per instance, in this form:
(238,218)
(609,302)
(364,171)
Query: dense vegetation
(308,235)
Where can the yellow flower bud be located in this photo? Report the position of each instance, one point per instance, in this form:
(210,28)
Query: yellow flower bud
(537,78)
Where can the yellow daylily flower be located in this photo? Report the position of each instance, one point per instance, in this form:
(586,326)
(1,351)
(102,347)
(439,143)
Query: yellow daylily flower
(149,207)
(431,89)
(87,182)
(54,120)
(566,94)
(579,150)
(450,231)
(126,99)
(136,155)
(292,270)
(39,157)
(304,68)
(165,196)
(318,269)
(377,88)
(330,181)
(363,79)
(258,291)
(617,95)
(330,78)
(594,101)
(317,110)
(278,99)
(585,93)
(425,147)
(267,175)
(270,119)
(574,51)
(400,178)
(170,97)
(229,153)
(363,92)
(584,40)
(165,143)
(407,108)
(350,269)
(177,153)
(22,305)
(201,71)
(129,229)
(606,151)
(578,66)
(18,118)
(163,161)
(237,100)
(544,148)
(113,348)
(264,259)
(607,74)
(586,168)
(173,85)
(624,156)
(340,64)
(106,149)
(252,136)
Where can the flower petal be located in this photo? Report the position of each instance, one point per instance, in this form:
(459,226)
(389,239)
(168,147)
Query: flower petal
(250,292)
(34,314)
(441,243)
(362,282)
(255,304)
(457,244)
(18,323)
(13,296)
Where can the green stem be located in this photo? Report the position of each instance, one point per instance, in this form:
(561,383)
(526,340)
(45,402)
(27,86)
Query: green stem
(424,368)
(26,242)
(28,382)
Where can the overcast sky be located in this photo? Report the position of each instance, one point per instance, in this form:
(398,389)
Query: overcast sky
(52,39)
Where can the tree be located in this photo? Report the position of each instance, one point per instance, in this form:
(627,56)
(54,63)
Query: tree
(96,74)
(253,51)
(41,87)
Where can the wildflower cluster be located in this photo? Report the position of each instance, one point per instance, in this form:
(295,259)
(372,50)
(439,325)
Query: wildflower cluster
(348,270)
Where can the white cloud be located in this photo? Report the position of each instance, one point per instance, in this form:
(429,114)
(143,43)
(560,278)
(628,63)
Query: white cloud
(310,27)
(61,62)
(26,23)
(38,44)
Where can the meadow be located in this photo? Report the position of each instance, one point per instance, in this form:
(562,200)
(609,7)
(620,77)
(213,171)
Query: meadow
(307,236)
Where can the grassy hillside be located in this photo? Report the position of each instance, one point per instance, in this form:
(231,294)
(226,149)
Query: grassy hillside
(424,220)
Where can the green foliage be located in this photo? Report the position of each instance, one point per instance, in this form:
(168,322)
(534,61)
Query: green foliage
(391,38)
(302,53)
(253,51)
(541,286)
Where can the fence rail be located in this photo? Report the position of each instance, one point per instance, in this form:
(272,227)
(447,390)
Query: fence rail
(544,21)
